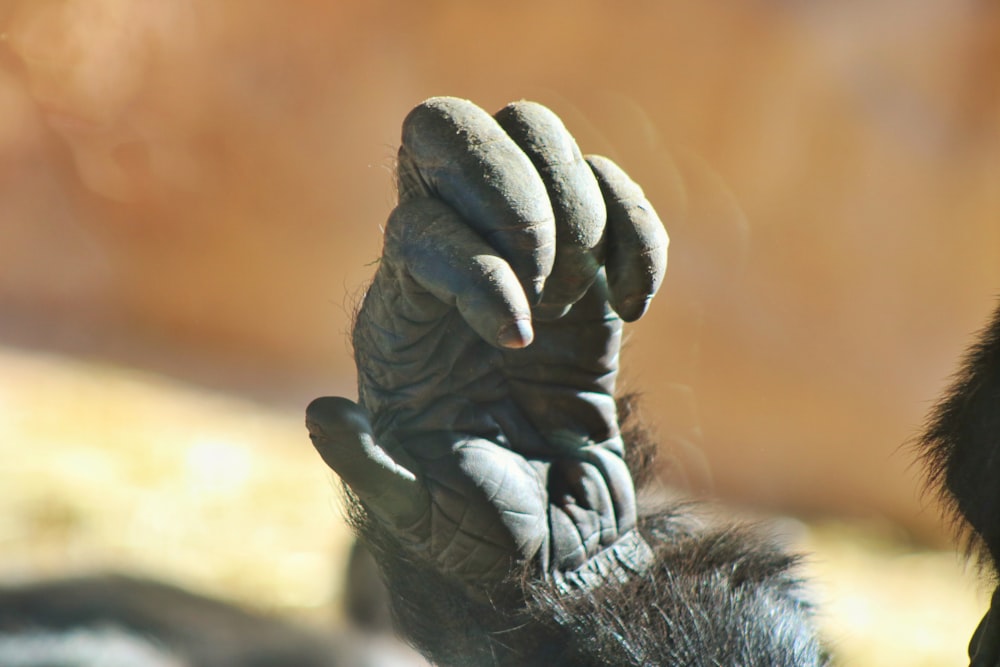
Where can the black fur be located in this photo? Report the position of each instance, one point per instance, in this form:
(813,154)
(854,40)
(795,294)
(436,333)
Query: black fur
(961,450)
(725,595)
(961,447)
(119,621)
(715,595)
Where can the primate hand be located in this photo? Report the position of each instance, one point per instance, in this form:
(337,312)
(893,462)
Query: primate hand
(487,349)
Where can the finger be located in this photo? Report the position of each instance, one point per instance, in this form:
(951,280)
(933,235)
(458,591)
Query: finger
(439,251)
(567,549)
(591,491)
(618,483)
(636,241)
(574,195)
(342,434)
(453,150)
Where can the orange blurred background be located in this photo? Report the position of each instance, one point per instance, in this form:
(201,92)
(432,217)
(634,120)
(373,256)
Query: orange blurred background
(197,188)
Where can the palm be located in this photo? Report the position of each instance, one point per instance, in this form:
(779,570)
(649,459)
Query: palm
(504,439)
(510,452)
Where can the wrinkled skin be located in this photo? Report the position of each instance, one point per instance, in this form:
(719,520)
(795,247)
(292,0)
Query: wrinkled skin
(486,436)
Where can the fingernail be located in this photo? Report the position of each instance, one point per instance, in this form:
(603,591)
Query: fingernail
(634,307)
(315,430)
(537,287)
(516,335)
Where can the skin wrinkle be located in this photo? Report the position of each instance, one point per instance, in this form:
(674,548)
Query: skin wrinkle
(577,553)
(473,552)
(607,532)
(554,391)
(410,182)
(437,502)
(451,541)
(434,377)
(617,499)
(595,373)
(440,341)
(477,540)
(427,378)
(499,487)
(582,491)
(588,537)
(418,341)
(443,508)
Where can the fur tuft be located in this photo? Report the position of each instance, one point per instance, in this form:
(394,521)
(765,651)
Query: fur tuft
(717,596)
(641,445)
(714,596)
(960,448)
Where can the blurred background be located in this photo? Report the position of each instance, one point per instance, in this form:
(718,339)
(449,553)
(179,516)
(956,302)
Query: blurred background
(190,205)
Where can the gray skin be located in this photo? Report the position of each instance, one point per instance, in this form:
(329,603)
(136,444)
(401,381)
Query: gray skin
(486,437)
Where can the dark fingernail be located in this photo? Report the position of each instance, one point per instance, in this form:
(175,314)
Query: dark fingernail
(315,430)
(634,307)
(537,287)
(516,335)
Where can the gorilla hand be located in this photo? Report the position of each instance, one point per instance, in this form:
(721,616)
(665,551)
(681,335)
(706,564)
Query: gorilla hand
(487,350)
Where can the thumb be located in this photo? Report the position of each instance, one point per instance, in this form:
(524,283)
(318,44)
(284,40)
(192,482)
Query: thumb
(342,434)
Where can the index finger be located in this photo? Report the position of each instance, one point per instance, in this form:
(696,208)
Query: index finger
(453,150)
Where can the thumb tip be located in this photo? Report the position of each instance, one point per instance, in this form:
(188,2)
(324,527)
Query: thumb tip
(328,415)
(328,404)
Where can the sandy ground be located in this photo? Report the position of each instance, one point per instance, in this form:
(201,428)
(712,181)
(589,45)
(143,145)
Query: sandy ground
(113,468)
